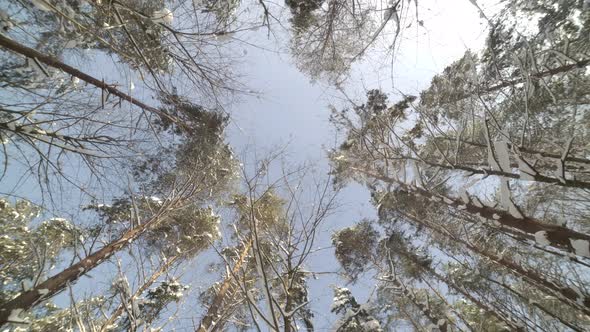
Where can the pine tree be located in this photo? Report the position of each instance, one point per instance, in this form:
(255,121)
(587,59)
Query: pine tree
(481,172)
(266,284)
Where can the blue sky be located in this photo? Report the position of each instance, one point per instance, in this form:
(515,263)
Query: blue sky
(293,110)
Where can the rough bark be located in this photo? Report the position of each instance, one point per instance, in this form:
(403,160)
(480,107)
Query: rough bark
(506,83)
(121,308)
(450,283)
(53,62)
(217,305)
(563,292)
(60,281)
(558,236)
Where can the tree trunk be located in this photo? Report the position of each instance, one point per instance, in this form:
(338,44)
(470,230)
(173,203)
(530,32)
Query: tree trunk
(562,69)
(537,177)
(60,281)
(216,306)
(460,290)
(557,236)
(139,291)
(53,62)
(525,150)
(572,297)
(440,323)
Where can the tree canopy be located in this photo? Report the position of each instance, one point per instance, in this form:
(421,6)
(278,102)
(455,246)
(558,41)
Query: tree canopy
(129,203)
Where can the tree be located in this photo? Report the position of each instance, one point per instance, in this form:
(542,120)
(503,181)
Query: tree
(51,118)
(269,285)
(356,318)
(480,182)
(227,290)
(29,250)
(193,180)
(124,305)
(463,172)
(141,34)
(355,246)
(55,118)
(329,36)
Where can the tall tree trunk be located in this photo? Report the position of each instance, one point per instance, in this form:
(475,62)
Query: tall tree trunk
(550,72)
(441,323)
(451,284)
(564,293)
(59,282)
(525,150)
(557,236)
(537,177)
(209,322)
(53,62)
(121,308)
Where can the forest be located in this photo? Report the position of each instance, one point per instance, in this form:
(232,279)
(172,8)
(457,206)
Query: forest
(297,165)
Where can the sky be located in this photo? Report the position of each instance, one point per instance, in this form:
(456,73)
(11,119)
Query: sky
(292,110)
